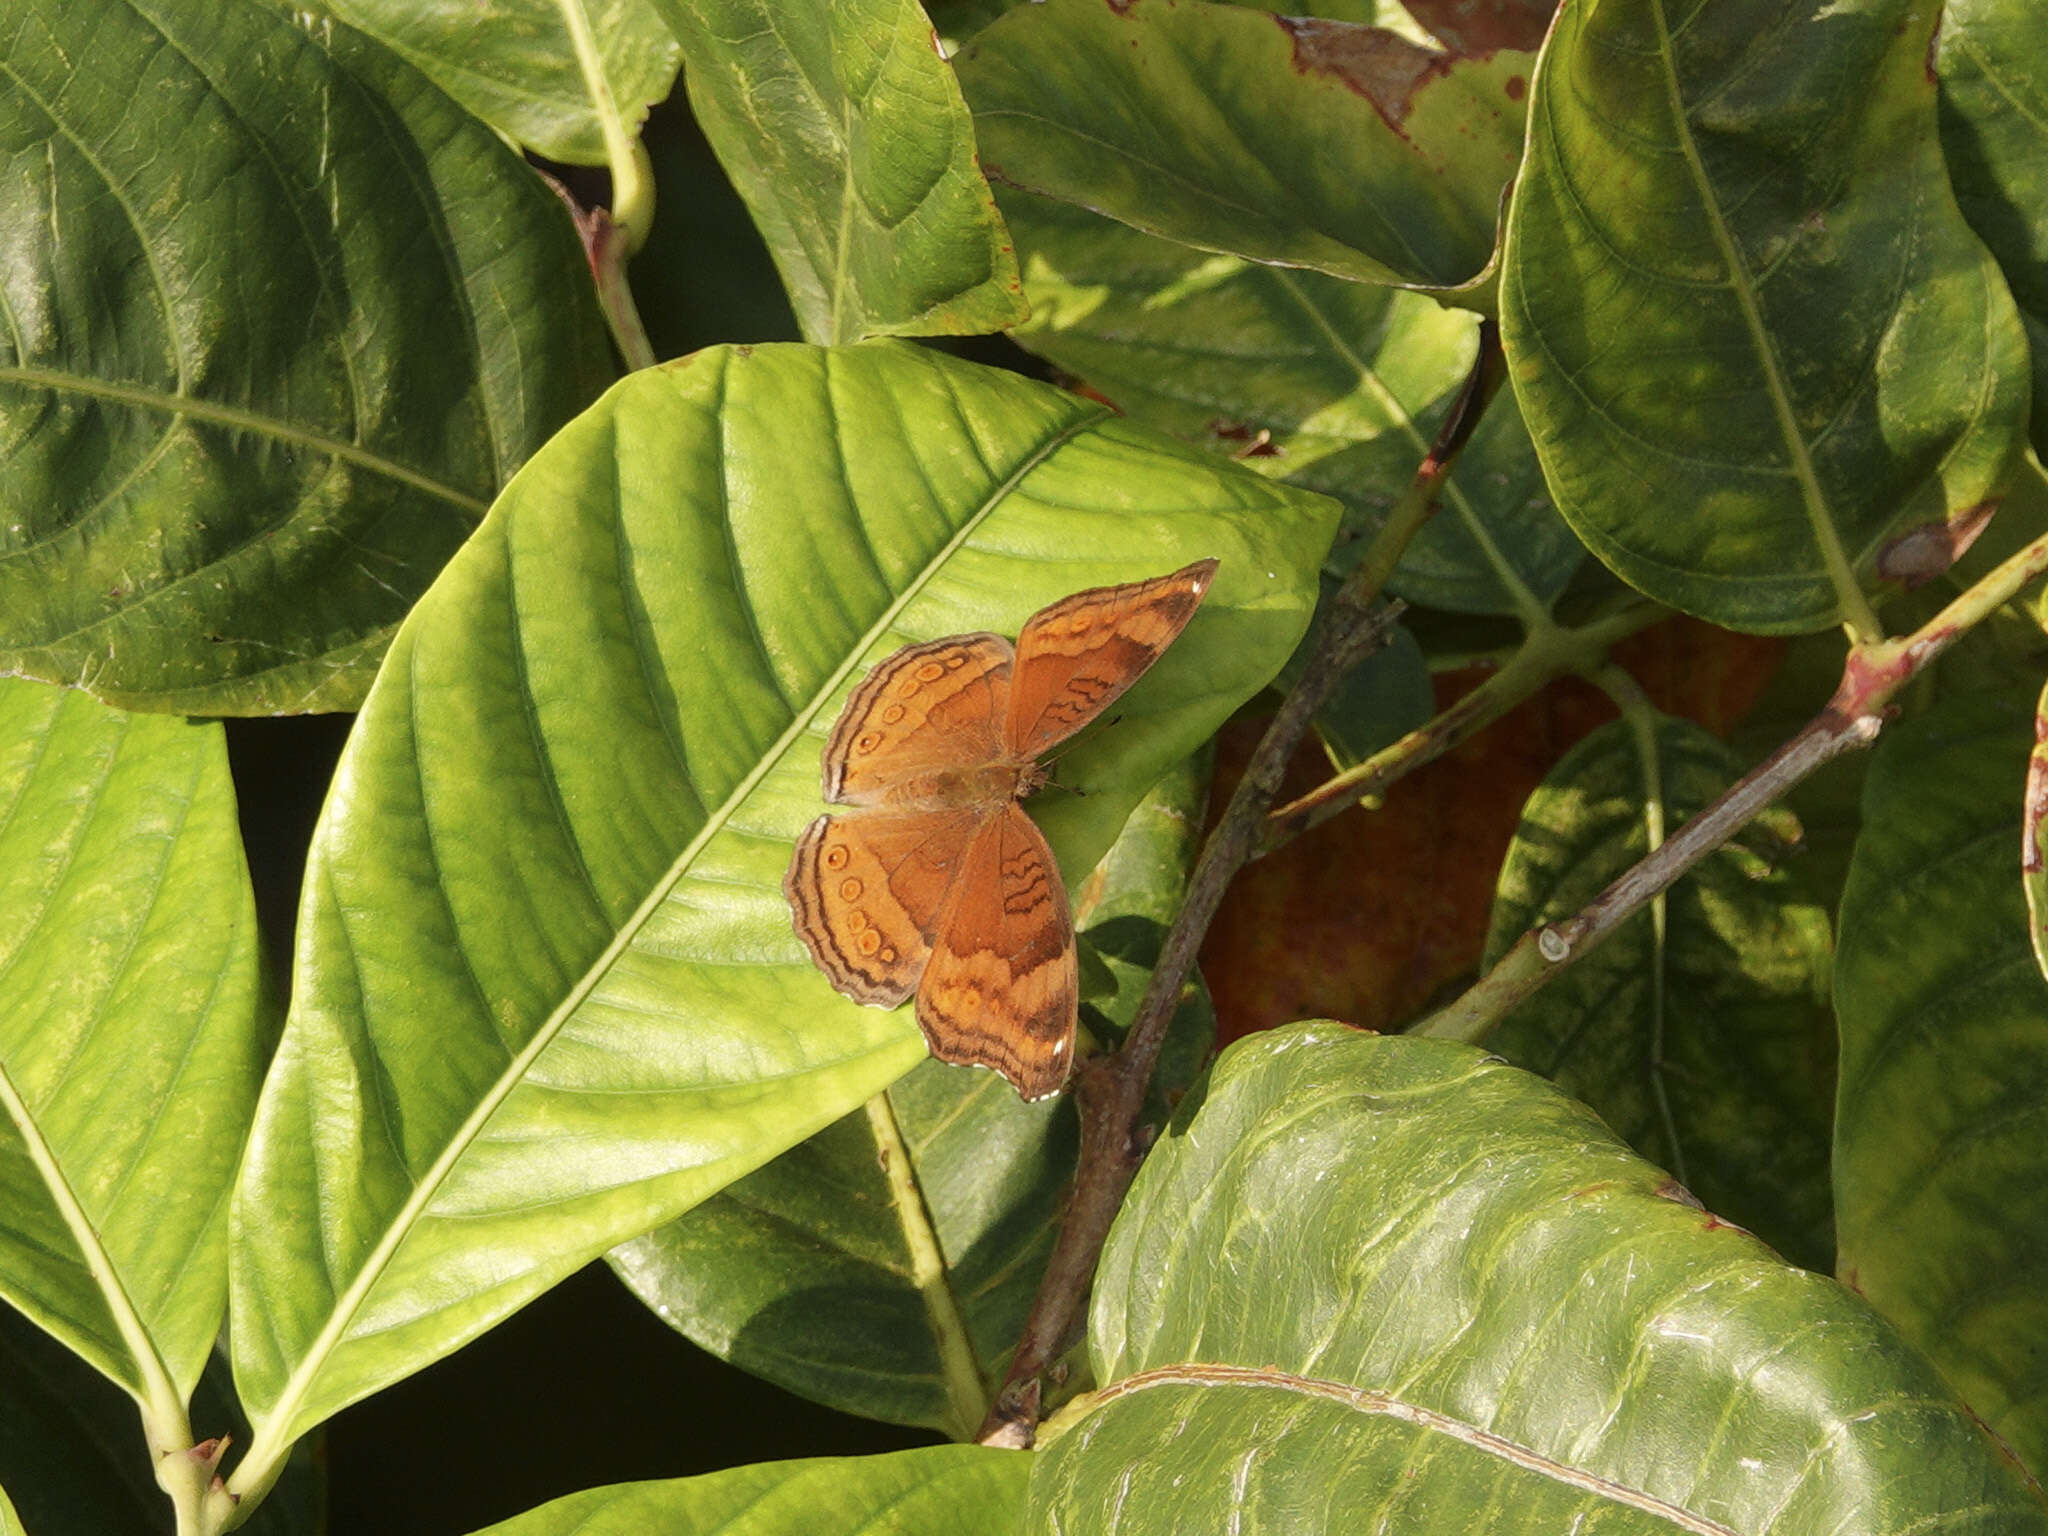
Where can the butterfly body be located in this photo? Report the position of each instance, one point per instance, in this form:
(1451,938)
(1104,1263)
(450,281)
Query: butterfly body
(936,882)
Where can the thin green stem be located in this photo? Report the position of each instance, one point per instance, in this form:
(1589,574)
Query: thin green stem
(632,209)
(1543,657)
(1642,718)
(966,1393)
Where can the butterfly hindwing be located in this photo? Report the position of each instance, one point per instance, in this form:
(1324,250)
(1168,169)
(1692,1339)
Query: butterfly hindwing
(1076,657)
(1002,986)
(868,890)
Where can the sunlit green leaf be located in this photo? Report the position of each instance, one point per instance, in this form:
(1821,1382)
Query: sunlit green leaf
(548,994)
(1386,1283)
(282,319)
(943,1490)
(1994,129)
(131,1039)
(1335,386)
(1752,335)
(1296,141)
(1701,1031)
(545,73)
(1941,1210)
(843,129)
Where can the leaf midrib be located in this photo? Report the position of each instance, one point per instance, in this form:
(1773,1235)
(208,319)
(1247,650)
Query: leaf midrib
(1388,1405)
(215,414)
(1854,608)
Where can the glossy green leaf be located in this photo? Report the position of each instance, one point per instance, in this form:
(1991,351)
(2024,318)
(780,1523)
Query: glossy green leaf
(942,1490)
(826,1275)
(1377,702)
(10,1523)
(843,129)
(131,1040)
(1700,1030)
(1751,333)
(885,1265)
(548,995)
(1125,908)
(73,1452)
(1383,1283)
(283,318)
(1335,386)
(552,74)
(1298,142)
(1994,131)
(1940,1204)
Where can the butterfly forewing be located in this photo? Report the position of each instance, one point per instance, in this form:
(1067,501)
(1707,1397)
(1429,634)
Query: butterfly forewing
(926,708)
(868,891)
(1002,986)
(1076,657)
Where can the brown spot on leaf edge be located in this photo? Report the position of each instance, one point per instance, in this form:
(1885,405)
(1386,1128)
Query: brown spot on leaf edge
(1382,66)
(1920,554)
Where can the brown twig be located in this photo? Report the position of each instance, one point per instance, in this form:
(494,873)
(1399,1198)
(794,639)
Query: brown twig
(1111,1089)
(1872,677)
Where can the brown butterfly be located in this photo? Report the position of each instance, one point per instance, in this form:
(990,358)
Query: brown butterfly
(940,884)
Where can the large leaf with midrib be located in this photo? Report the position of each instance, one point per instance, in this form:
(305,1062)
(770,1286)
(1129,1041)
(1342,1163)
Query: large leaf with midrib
(132,1032)
(547,993)
(282,318)
(1377,1283)
(1944,1018)
(1752,336)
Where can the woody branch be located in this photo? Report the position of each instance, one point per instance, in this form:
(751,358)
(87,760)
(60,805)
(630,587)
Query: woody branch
(1111,1089)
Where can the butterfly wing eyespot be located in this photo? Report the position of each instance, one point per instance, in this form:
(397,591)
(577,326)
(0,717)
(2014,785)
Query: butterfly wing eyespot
(867,891)
(1077,656)
(925,707)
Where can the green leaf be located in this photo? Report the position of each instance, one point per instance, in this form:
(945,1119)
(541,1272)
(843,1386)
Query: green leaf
(1942,1215)
(1700,1030)
(1124,910)
(1397,1283)
(1302,143)
(1375,703)
(548,993)
(131,1040)
(1334,386)
(283,319)
(831,1276)
(940,1490)
(885,1265)
(553,74)
(1751,333)
(1994,132)
(843,129)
